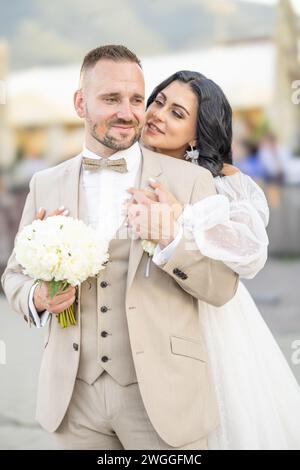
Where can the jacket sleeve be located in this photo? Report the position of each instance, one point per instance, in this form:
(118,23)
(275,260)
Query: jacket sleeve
(15,284)
(204,278)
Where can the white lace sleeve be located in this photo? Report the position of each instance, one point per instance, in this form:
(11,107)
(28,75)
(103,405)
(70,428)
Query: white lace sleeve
(231,226)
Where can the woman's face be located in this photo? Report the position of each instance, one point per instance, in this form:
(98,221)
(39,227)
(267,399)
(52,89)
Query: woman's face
(171,120)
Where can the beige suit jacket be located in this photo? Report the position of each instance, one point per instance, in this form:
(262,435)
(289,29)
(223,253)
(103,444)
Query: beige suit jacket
(163,310)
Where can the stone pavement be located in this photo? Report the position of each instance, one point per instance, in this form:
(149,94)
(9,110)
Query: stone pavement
(275,290)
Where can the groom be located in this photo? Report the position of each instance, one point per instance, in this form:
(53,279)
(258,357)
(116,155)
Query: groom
(133,372)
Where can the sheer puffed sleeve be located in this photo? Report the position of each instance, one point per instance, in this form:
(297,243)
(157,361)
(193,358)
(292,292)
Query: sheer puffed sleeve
(231,226)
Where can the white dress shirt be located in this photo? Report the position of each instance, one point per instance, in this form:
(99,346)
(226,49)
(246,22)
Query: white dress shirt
(106,192)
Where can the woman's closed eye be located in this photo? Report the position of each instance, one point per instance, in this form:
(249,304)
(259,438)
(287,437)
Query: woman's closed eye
(177,114)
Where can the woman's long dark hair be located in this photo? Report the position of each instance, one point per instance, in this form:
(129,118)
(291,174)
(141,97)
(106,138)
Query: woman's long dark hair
(214,119)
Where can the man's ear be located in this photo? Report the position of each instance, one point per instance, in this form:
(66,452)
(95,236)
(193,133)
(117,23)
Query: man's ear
(79,104)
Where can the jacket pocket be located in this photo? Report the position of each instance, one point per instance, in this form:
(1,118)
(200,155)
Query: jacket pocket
(187,347)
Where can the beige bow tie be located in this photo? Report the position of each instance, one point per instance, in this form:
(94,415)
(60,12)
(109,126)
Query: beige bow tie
(119,165)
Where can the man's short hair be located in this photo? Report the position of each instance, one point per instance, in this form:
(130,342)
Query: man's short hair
(117,53)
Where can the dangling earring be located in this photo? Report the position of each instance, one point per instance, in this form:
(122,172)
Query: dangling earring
(192,155)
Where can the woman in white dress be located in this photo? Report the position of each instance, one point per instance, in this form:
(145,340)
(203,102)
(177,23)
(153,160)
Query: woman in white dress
(189,117)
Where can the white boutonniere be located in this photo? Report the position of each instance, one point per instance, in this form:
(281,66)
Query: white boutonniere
(148,247)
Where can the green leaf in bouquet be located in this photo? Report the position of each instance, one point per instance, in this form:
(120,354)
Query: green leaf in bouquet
(54,286)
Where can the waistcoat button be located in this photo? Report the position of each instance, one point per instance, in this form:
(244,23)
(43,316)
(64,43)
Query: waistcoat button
(103,309)
(103,284)
(104,358)
(104,334)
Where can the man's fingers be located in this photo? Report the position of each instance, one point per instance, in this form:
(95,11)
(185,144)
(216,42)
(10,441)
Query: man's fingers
(150,194)
(155,184)
(58,308)
(135,210)
(70,291)
(132,190)
(141,198)
(61,294)
(162,196)
(162,193)
(61,298)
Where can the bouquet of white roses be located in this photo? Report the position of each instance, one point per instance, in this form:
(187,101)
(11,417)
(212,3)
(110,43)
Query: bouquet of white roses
(61,251)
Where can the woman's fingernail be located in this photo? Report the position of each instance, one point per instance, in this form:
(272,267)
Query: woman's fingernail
(40,209)
(152,180)
(66,212)
(61,208)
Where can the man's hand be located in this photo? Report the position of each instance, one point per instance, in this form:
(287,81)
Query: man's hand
(61,301)
(153,216)
(166,197)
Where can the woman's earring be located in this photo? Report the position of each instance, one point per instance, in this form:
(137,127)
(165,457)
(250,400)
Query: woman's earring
(192,155)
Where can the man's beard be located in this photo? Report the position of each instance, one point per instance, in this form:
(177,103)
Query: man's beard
(110,141)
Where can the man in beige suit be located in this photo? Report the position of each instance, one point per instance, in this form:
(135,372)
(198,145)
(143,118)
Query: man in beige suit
(133,372)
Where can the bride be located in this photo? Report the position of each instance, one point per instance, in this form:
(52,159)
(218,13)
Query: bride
(189,117)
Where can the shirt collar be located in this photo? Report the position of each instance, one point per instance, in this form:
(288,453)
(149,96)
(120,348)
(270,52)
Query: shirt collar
(132,155)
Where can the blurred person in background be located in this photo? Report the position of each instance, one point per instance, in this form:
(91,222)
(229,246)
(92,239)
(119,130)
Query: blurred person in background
(274,158)
(280,164)
(26,165)
(251,163)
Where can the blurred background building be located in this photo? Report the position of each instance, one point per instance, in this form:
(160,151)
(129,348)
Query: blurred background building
(250,48)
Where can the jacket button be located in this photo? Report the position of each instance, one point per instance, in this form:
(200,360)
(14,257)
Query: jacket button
(184,277)
(103,284)
(103,309)
(104,334)
(75,346)
(104,358)
(176,271)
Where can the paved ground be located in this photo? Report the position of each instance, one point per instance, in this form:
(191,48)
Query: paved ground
(275,289)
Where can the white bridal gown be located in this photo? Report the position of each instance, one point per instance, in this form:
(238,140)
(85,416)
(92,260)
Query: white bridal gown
(258,396)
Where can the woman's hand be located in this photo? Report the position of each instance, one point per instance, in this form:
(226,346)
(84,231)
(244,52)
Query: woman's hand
(229,170)
(153,215)
(160,194)
(40,215)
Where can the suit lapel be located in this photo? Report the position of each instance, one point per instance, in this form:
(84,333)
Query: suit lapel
(69,186)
